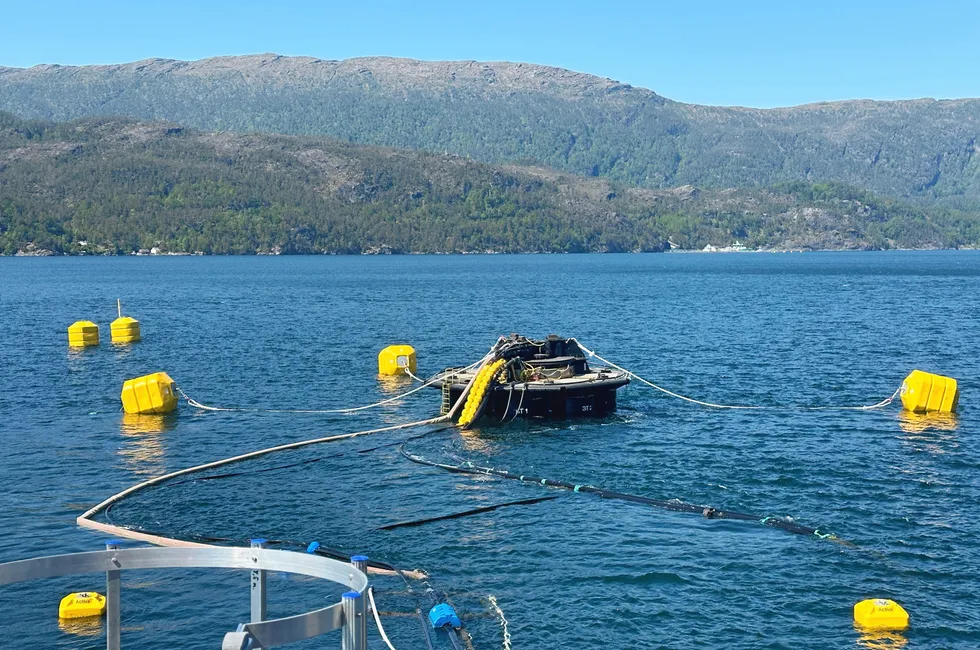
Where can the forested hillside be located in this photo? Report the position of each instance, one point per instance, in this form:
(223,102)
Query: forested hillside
(113,186)
(923,151)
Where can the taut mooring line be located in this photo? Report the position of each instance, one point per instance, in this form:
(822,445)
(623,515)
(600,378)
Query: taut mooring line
(871,407)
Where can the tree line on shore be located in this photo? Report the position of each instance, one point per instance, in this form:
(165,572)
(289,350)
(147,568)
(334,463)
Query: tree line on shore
(114,186)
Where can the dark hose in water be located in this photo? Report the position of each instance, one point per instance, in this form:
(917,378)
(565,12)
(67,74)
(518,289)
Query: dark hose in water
(672,505)
(466,513)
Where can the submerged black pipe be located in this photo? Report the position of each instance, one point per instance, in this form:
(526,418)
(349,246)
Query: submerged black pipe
(674,505)
(457,515)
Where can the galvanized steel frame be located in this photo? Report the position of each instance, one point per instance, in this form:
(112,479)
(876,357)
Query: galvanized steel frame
(350,614)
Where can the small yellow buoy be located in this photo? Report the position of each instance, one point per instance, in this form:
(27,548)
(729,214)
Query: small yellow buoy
(153,394)
(924,392)
(82,605)
(880,614)
(83,333)
(396,359)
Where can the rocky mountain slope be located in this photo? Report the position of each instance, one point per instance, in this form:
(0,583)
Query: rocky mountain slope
(925,151)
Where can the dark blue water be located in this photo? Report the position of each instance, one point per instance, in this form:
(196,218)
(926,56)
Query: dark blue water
(575,572)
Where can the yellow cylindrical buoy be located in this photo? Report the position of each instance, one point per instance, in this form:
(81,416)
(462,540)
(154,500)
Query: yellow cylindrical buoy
(924,392)
(151,394)
(82,605)
(880,614)
(125,329)
(396,359)
(83,333)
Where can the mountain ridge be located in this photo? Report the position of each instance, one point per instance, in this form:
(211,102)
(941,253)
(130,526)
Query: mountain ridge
(920,150)
(456,64)
(386,66)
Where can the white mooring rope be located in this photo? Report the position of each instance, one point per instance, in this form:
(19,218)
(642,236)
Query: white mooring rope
(235,409)
(193,402)
(377,619)
(503,620)
(883,403)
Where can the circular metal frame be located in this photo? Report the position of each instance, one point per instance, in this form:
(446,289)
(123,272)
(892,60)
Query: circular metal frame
(256,634)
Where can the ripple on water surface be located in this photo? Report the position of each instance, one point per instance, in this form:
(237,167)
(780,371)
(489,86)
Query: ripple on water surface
(574,572)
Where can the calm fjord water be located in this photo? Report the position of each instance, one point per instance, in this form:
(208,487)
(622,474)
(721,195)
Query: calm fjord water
(575,572)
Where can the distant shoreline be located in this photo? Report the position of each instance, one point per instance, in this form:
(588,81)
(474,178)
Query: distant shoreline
(493,253)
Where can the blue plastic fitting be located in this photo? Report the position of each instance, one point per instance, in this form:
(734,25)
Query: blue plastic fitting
(442,615)
(358,558)
(312,547)
(350,594)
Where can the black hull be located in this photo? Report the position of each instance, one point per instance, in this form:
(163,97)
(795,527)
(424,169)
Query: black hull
(505,404)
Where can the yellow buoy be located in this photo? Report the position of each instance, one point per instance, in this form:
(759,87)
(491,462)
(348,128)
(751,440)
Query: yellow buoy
(124,329)
(153,394)
(396,359)
(83,333)
(924,392)
(880,614)
(82,605)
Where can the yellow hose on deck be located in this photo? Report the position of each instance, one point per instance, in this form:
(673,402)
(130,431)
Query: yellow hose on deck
(479,392)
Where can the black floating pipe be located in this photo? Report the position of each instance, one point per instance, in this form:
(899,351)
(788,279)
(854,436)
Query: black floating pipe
(672,505)
(457,515)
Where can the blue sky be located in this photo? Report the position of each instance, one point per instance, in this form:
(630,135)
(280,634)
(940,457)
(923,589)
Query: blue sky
(736,52)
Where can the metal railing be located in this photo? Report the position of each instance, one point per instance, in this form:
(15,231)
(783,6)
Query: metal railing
(349,615)
(449,377)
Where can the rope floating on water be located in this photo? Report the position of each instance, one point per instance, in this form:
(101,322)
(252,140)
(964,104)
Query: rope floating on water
(674,505)
(377,619)
(242,409)
(193,402)
(503,620)
(883,403)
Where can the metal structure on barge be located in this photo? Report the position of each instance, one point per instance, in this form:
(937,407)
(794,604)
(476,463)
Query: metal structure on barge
(537,379)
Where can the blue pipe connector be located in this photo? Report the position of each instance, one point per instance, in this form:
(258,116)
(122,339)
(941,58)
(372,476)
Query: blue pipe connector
(442,615)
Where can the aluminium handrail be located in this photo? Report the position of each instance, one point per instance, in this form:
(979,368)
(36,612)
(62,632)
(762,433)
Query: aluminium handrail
(349,614)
